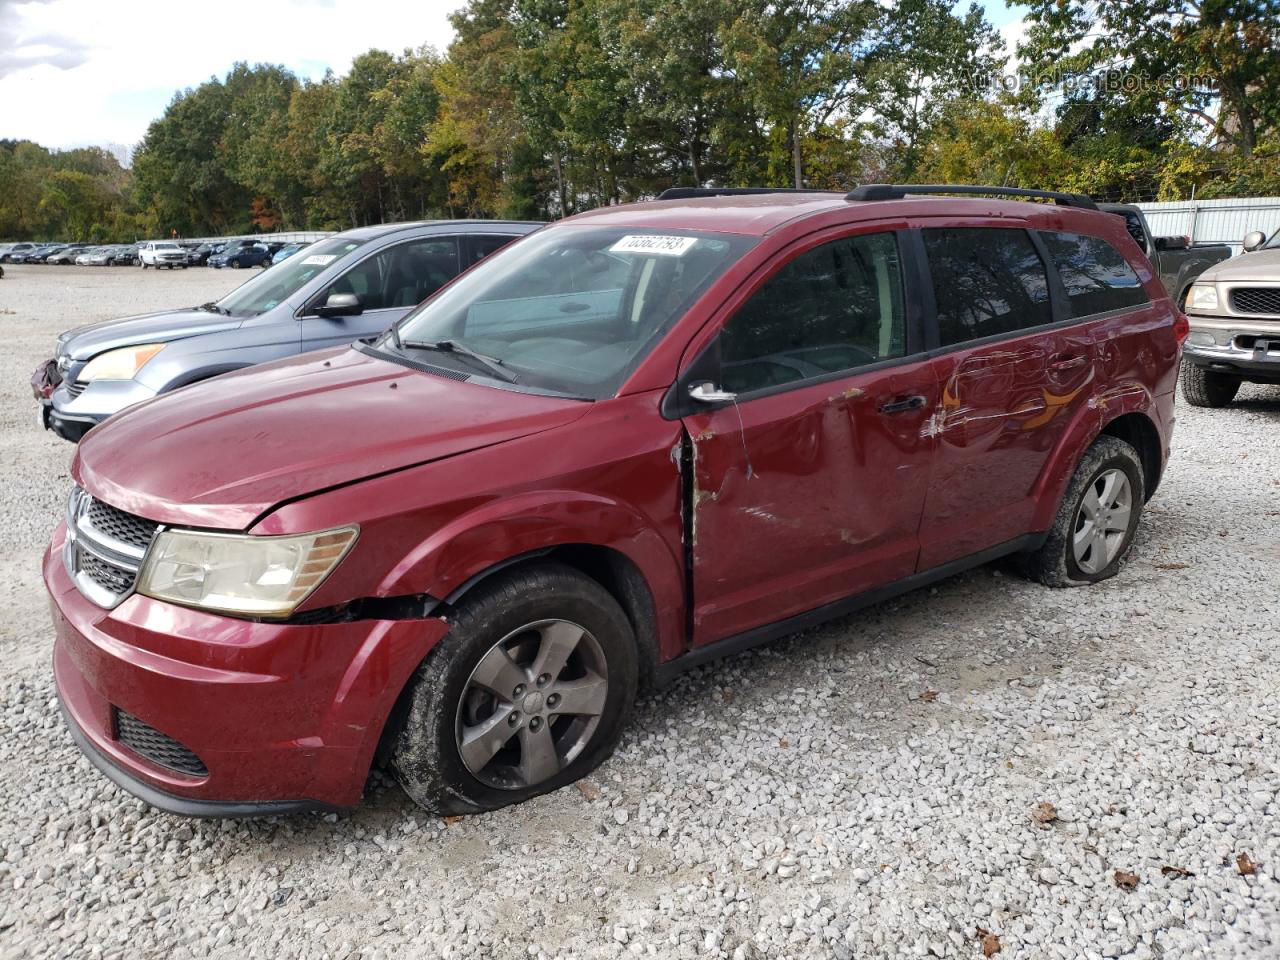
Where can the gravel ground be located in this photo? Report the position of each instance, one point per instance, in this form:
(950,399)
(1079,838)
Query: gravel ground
(988,764)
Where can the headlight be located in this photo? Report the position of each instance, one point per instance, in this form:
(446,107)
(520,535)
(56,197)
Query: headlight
(1203,295)
(257,576)
(122,364)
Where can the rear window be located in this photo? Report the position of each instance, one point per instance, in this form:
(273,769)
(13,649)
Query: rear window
(986,282)
(1097,276)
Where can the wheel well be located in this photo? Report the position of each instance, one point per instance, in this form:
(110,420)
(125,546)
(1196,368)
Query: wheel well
(1139,432)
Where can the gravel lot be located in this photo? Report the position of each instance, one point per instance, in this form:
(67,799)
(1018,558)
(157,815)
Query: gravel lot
(868,789)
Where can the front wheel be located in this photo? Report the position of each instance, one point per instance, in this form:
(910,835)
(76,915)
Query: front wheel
(235,264)
(528,692)
(1097,520)
(1202,387)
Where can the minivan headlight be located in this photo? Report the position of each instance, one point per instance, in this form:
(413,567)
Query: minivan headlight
(121,364)
(232,573)
(1204,296)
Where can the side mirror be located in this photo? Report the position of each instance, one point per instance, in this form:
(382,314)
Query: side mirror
(707,392)
(1172,243)
(340,305)
(1253,240)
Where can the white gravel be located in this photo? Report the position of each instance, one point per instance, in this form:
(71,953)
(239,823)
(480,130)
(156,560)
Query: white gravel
(867,789)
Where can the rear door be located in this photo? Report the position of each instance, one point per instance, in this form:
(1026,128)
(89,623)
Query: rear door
(1014,370)
(808,486)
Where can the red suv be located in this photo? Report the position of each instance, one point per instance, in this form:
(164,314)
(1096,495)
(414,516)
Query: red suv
(634,441)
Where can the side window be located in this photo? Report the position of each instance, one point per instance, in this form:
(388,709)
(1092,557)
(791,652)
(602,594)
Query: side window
(1097,276)
(836,307)
(479,247)
(400,276)
(986,281)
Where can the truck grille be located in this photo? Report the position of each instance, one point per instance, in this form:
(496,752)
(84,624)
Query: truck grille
(1256,300)
(104,548)
(162,750)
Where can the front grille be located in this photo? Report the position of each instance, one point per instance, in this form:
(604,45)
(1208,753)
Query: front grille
(162,750)
(104,549)
(75,388)
(1256,300)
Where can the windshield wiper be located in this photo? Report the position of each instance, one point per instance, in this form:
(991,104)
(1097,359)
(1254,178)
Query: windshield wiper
(493,364)
(212,307)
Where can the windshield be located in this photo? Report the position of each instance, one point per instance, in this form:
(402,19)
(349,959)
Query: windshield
(573,309)
(279,283)
(167,246)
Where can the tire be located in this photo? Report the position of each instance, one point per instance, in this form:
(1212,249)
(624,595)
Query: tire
(1205,388)
(1057,563)
(235,264)
(531,610)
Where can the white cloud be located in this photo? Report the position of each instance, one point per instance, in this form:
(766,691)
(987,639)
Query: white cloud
(76,71)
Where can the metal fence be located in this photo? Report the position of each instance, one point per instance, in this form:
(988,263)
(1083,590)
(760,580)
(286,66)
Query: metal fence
(293,236)
(1214,221)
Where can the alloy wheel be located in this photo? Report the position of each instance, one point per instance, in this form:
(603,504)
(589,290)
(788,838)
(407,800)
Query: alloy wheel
(531,704)
(1102,522)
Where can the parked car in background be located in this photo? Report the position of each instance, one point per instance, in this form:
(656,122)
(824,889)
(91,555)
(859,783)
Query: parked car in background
(4,251)
(642,438)
(16,250)
(1234,310)
(161,253)
(125,255)
(238,255)
(67,254)
(42,254)
(287,251)
(23,254)
(198,256)
(1177,260)
(349,286)
(93,257)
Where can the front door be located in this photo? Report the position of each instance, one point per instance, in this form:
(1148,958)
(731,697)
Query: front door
(808,487)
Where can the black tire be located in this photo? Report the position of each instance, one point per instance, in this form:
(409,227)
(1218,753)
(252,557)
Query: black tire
(1202,387)
(424,737)
(1055,564)
(235,264)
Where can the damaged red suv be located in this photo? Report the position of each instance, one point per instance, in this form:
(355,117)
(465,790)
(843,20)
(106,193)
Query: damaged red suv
(633,441)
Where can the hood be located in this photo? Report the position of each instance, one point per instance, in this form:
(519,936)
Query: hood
(90,340)
(223,452)
(1259,265)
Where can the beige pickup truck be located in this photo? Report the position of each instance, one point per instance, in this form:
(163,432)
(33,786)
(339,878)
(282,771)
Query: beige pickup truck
(1234,310)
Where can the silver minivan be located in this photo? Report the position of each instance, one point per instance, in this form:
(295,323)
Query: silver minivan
(351,285)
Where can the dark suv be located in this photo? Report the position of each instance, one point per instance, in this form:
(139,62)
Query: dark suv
(634,441)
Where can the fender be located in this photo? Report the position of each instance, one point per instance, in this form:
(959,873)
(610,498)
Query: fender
(1090,421)
(504,529)
(205,373)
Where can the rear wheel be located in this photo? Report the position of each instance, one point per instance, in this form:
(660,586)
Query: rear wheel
(528,692)
(1097,520)
(1202,387)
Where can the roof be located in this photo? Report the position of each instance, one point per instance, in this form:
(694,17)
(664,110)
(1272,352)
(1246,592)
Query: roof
(382,229)
(763,213)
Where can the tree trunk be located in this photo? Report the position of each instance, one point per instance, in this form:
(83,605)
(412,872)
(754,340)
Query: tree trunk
(797,165)
(564,203)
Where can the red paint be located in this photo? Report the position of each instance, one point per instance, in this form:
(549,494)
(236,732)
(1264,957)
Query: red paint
(800,498)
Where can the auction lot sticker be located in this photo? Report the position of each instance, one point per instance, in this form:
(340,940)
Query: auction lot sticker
(320,259)
(661,246)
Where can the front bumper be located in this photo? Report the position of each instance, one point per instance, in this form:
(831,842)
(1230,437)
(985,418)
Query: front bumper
(1250,349)
(282,717)
(72,416)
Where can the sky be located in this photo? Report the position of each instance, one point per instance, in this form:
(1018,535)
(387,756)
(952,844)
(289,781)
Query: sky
(77,72)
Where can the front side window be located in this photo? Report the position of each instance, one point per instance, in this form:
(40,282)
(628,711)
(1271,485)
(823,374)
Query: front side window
(273,286)
(835,307)
(987,281)
(400,276)
(572,308)
(1097,276)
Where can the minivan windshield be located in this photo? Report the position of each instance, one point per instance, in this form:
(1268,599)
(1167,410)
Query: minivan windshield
(284,280)
(572,308)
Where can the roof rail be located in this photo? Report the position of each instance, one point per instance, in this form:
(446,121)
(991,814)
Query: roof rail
(689,193)
(896,191)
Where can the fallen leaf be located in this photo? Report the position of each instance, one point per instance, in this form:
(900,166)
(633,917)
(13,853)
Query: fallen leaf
(1126,880)
(1173,566)
(1245,865)
(1177,873)
(1044,812)
(727,696)
(929,696)
(990,942)
(784,744)
(590,792)
(451,821)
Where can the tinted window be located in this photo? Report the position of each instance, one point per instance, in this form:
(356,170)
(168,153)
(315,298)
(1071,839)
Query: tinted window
(270,287)
(1096,275)
(480,247)
(986,281)
(836,307)
(400,276)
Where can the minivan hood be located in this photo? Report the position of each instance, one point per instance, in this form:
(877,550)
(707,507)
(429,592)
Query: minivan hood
(81,343)
(223,452)
(1259,265)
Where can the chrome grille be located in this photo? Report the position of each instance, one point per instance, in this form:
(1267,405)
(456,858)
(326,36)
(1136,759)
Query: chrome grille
(75,388)
(104,548)
(1255,299)
(161,749)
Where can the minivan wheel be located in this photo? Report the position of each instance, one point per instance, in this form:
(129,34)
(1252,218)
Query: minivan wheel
(1097,520)
(529,691)
(1202,387)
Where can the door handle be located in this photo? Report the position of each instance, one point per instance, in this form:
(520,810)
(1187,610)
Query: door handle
(1068,363)
(903,404)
